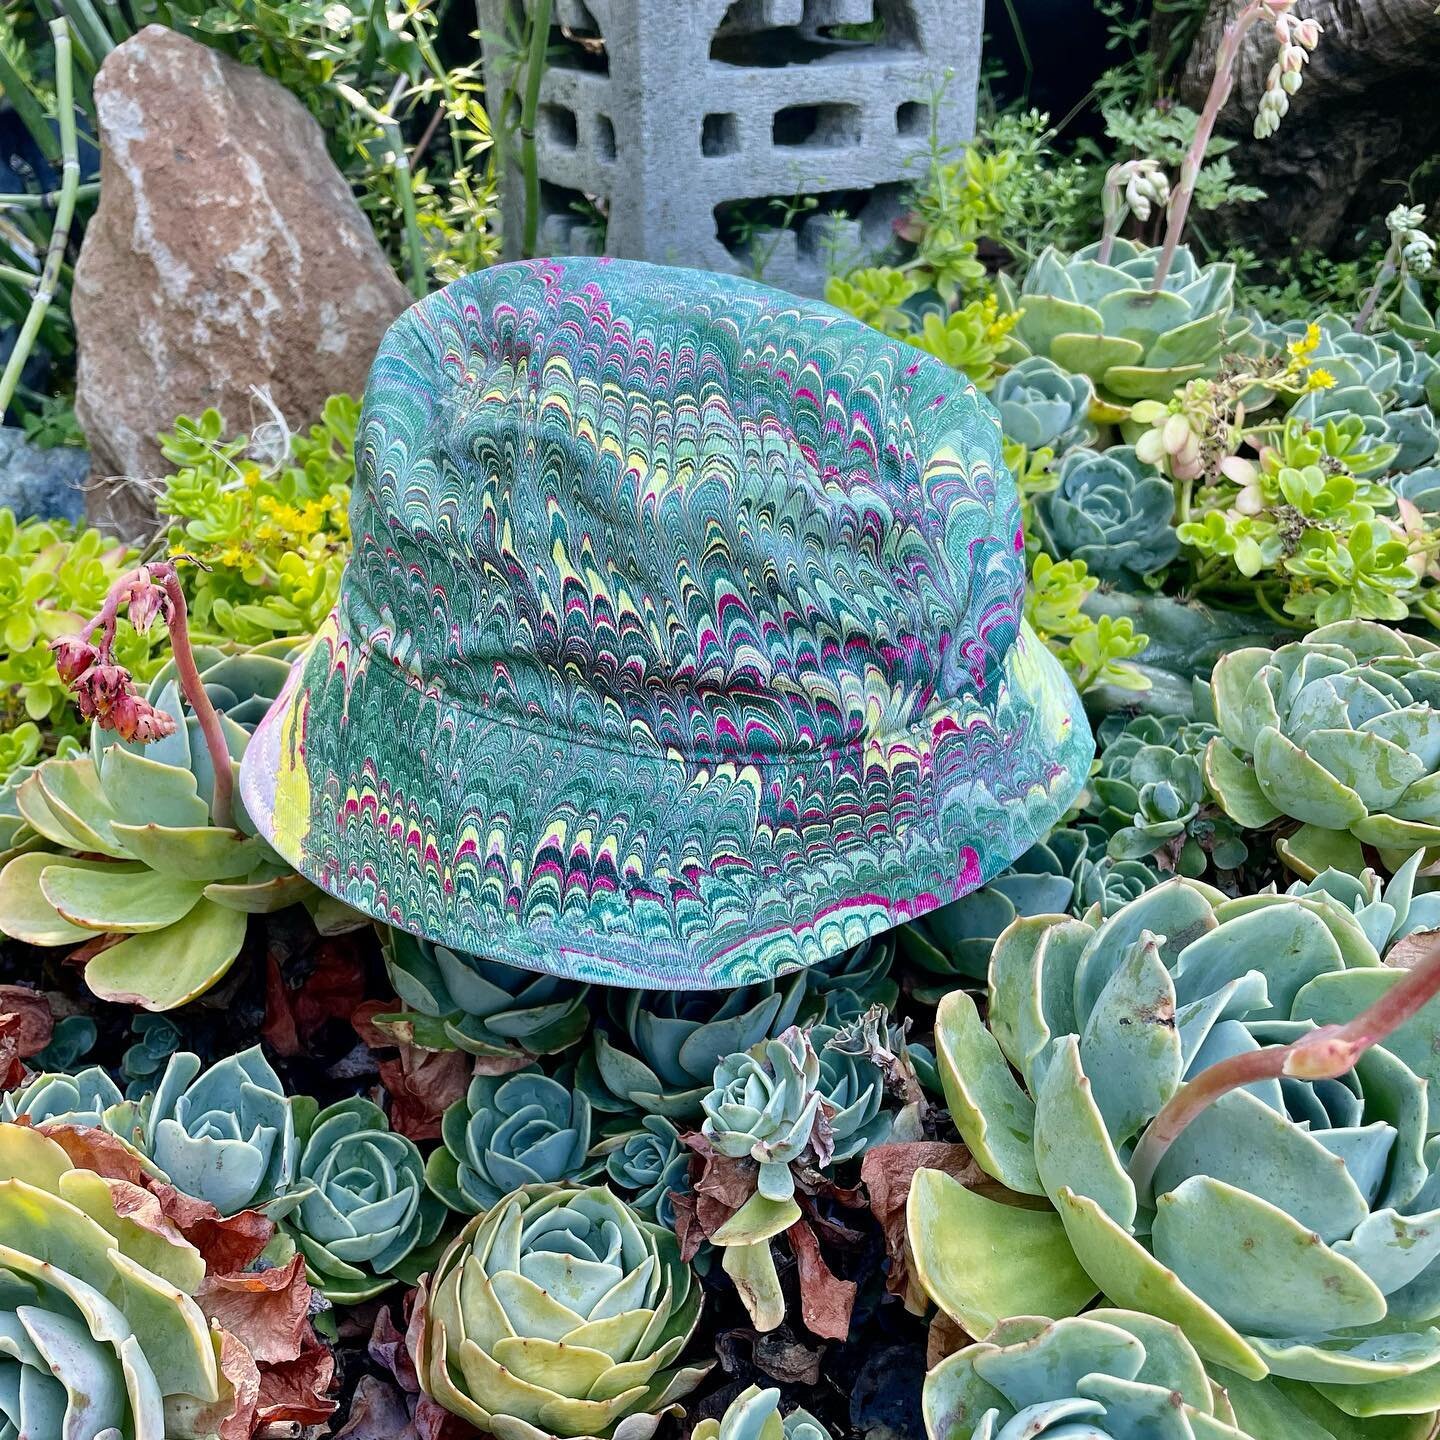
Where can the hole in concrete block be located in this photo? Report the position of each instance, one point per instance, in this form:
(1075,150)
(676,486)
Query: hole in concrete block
(720,135)
(605,136)
(912,118)
(819,127)
(575,49)
(557,125)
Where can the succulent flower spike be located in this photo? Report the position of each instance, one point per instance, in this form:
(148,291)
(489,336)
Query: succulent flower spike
(1222,1150)
(754,1414)
(366,1214)
(1340,731)
(558,1313)
(102,1336)
(506,1132)
(1106,1375)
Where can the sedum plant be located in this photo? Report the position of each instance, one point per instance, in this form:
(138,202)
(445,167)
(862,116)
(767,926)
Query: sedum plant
(103,1336)
(1288,1228)
(505,1132)
(1094,652)
(1044,407)
(754,1414)
(656,1051)
(366,1214)
(1112,512)
(559,1312)
(1339,731)
(1107,1375)
(1101,318)
(145,857)
(485,1007)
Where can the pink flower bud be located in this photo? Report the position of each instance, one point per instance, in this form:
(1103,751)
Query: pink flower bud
(150,724)
(74,655)
(102,686)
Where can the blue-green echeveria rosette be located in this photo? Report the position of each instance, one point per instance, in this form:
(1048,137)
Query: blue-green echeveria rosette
(852,1086)
(754,1414)
(1106,1375)
(83,1098)
(1112,511)
(558,1313)
(1386,911)
(505,1132)
(1340,731)
(1293,1227)
(843,987)
(655,1051)
(765,1104)
(368,1216)
(652,1165)
(226,1136)
(485,1007)
(1042,405)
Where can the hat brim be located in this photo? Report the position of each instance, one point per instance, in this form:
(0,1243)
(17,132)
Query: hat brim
(649,869)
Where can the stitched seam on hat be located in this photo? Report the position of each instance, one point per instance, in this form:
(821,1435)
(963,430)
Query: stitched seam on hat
(773,760)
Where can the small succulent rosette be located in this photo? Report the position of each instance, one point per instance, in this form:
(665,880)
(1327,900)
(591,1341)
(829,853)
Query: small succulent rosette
(558,1313)
(650,1165)
(507,1131)
(754,1414)
(367,1219)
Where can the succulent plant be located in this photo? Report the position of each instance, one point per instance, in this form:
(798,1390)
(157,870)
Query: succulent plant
(754,1414)
(653,1163)
(1149,794)
(558,1313)
(852,1089)
(1103,320)
(505,1132)
(1110,884)
(1340,731)
(1042,405)
(1111,511)
(103,1337)
(366,1215)
(764,1104)
(1413,319)
(1107,1375)
(157,1039)
(56,1098)
(146,862)
(485,1007)
(1386,913)
(848,984)
(1290,1228)
(1421,488)
(226,1136)
(657,1050)
(16,833)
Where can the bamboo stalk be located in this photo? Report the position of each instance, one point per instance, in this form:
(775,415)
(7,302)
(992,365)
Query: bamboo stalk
(529,161)
(64,211)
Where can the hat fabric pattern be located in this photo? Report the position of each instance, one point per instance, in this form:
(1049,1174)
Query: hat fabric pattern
(681,641)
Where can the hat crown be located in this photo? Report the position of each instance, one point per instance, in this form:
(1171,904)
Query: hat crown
(659,510)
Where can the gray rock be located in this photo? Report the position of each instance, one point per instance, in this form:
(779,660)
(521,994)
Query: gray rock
(672,110)
(41,484)
(227,253)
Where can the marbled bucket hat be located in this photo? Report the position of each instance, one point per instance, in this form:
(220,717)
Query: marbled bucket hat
(681,643)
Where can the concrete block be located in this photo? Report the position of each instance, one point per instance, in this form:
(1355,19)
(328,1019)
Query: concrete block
(695,122)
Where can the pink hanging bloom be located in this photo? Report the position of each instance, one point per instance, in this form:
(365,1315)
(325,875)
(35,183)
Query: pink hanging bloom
(74,655)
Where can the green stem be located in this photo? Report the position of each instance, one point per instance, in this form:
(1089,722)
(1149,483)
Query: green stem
(49,199)
(529,161)
(64,210)
(400,160)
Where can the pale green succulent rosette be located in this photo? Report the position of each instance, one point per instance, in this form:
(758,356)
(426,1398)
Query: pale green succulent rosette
(1340,731)
(102,1339)
(83,1098)
(507,1132)
(754,1414)
(367,1217)
(1292,1228)
(485,1007)
(1386,912)
(558,1313)
(763,1105)
(1101,318)
(226,1136)
(146,862)
(657,1050)
(1107,1375)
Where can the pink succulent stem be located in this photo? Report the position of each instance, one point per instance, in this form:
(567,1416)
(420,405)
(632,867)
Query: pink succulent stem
(1220,88)
(1324,1054)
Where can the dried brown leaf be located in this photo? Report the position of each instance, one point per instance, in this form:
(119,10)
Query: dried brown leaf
(825,1300)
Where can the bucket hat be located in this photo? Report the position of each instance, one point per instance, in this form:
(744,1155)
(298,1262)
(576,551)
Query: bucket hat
(680,644)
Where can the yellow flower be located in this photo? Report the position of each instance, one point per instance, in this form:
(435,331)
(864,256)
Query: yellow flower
(1319,379)
(1305,347)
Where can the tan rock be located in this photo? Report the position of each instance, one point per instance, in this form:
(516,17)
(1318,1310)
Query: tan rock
(227,252)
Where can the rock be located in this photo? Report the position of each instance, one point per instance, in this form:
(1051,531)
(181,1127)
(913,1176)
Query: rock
(41,484)
(885,1403)
(227,253)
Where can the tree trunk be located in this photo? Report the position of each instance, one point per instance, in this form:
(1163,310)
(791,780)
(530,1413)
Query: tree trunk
(1363,123)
